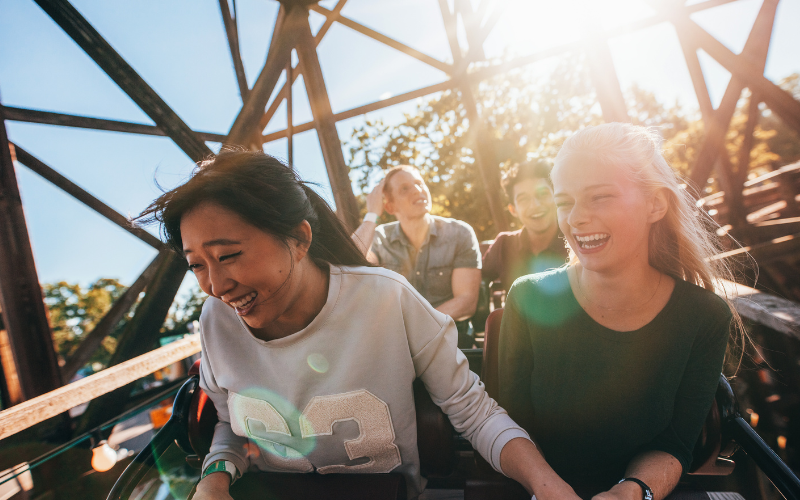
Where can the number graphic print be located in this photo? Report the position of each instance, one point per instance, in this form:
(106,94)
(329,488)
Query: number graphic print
(376,433)
(253,417)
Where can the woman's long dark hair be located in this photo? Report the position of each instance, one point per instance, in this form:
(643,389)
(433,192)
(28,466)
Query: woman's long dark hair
(263,191)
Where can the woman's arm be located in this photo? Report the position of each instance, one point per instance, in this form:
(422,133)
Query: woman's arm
(659,470)
(522,462)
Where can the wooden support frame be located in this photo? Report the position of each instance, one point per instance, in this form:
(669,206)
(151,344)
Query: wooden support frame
(84,197)
(368,108)
(290,115)
(21,301)
(141,334)
(39,409)
(604,76)
(284,38)
(84,34)
(451,29)
(338,171)
(232,33)
(755,50)
(485,158)
(389,42)
(298,70)
(106,325)
(87,122)
(778,100)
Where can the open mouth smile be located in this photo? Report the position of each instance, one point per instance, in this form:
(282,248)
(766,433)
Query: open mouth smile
(537,215)
(592,241)
(244,304)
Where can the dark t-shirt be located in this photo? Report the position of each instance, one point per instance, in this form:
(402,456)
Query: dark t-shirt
(593,398)
(510,257)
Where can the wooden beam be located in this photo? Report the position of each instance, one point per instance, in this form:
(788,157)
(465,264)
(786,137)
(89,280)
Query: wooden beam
(451,29)
(391,42)
(84,34)
(763,253)
(284,38)
(41,408)
(368,108)
(698,80)
(755,50)
(65,120)
(77,192)
(764,309)
(338,171)
(290,115)
(110,320)
(298,70)
(21,300)
(140,335)
(779,101)
(232,33)
(604,77)
(485,158)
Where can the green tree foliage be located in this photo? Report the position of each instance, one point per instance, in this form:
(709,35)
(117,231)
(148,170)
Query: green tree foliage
(528,115)
(74,311)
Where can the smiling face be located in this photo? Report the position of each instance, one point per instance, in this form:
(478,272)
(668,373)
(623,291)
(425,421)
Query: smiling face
(407,195)
(604,215)
(533,205)
(239,263)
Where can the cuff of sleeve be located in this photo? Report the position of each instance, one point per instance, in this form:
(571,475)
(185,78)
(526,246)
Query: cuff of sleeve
(237,461)
(501,441)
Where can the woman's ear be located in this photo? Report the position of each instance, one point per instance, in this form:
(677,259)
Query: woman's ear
(303,238)
(658,205)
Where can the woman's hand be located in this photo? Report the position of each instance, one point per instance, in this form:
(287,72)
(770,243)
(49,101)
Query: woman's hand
(375,199)
(622,491)
(213,487)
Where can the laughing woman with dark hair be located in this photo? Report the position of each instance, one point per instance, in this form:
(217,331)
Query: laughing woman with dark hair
(299,333)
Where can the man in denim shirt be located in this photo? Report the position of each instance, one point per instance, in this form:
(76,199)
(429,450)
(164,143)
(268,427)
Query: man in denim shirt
(440,257)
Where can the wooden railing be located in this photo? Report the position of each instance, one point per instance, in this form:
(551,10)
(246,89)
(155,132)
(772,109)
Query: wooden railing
(41,408)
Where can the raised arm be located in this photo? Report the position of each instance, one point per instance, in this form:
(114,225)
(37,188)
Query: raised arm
(364,234)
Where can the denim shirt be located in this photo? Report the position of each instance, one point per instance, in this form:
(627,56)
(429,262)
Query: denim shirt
(450,244)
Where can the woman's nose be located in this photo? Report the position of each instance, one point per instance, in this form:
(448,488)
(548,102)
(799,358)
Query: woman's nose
(578,216)
(219,282)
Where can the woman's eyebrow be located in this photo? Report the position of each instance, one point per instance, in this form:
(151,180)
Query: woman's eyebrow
(213,243)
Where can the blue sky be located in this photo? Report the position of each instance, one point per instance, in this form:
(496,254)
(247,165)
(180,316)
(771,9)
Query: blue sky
(179,48)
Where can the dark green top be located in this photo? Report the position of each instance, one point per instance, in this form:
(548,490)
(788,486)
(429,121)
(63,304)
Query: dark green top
(593,398)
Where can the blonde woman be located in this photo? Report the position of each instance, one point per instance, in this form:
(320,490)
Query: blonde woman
(611,362)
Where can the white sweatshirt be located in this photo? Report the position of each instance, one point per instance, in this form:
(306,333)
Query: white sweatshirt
(337,396)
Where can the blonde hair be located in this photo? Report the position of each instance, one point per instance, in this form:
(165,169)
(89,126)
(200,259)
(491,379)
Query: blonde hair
(682,244)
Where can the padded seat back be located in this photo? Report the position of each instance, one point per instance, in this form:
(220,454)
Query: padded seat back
(434,431)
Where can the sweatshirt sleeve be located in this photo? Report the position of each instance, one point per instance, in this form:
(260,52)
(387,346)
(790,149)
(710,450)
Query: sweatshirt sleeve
(459,392)
(225,445)
(697,388)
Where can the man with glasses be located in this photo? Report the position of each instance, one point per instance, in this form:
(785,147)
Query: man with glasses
(536,247)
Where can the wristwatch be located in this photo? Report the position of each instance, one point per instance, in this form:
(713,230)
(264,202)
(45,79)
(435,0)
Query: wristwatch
(222,466)
(370,217)
(647,493)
